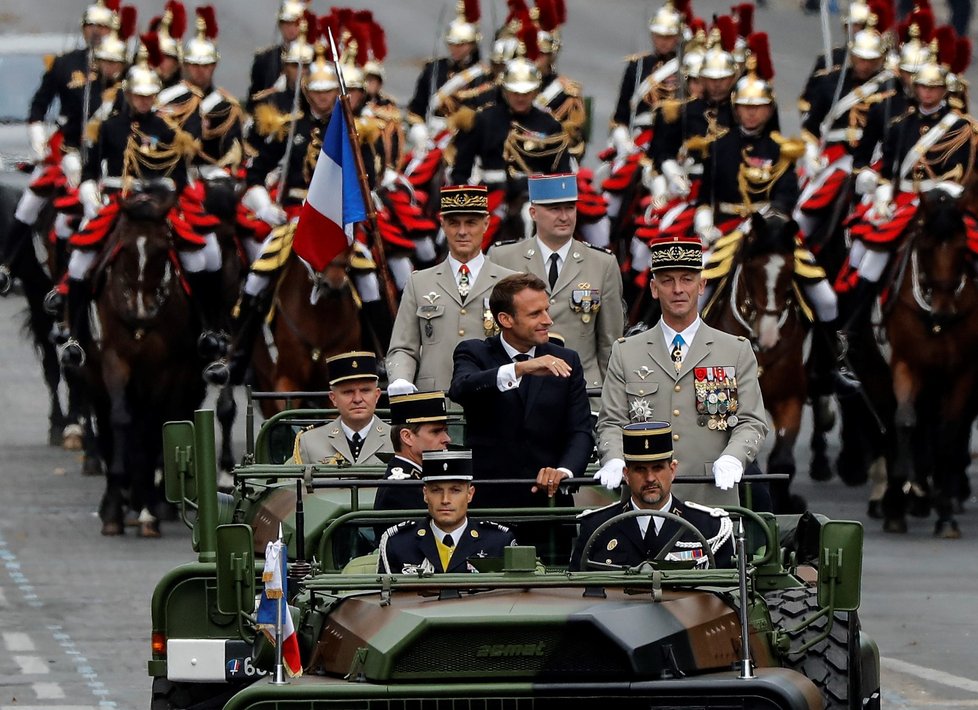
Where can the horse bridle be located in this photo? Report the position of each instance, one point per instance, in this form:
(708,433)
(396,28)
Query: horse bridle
(739,317)
(923,297)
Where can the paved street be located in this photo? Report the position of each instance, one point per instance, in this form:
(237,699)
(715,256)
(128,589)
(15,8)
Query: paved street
(75,606)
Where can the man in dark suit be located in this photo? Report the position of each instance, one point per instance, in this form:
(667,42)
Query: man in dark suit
(526,407)
(649,472)
(447,539)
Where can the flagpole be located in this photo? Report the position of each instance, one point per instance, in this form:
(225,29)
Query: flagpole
(377,247)
(279,607)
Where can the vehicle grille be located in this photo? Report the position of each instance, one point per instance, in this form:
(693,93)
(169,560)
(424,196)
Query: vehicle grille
(552,703)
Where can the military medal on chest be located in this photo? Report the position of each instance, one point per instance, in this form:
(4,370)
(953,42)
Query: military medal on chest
(586,301)
(488,322)
(715,389)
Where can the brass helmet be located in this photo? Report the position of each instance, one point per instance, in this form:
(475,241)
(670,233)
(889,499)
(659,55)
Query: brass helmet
(299,51)
(114,47)
(374,67)
(98,14)
(717,62)
(693,62)
(378,51)
(936,70)
(322,74)
(170,28)
(859,12)
(755,88)
(504,49)
(521,76)
(549,41)
(868,44)
(142,79)
(464,29)
(931,74)
(549,15)
(353,76)
(913,55)
(202,49)
(667,21)
(291,10)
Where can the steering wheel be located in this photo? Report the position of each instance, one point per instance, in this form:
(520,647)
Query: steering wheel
(588,563)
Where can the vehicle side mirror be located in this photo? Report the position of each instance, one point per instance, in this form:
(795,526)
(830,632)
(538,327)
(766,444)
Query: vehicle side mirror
(235,569)
(179,472)
(840,565)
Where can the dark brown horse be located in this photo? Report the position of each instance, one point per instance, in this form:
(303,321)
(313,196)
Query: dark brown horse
(316,316)
(758,299)
(146,370)
(932,324)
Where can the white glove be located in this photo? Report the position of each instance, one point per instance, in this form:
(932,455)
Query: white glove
(703,225)
(812,162)
(611,474)
(866,181)
(621,139)
(660,191)
(727,472)
(882,209)
(676,177)
(390,178)
(90,201)
(71,167)
(258,201)
(38,139)
(400,386)
(418,137)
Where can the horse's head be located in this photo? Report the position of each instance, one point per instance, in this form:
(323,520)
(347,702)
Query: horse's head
(149,200)
(332,280)
(768,267)
(221,195)
(941,255)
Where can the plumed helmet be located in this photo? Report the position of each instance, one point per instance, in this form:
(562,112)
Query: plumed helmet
(464,29)
(291,10)
(202,48)
(142,78)
(322,74)
(113,47)
(300,50)
(521,76)
(100,14)
(859,13)
(667,21)
(755,88)
(867,44)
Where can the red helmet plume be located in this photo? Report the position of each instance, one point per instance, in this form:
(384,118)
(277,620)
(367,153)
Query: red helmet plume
(113,5)
(127,22)
(313,28)
(883,9)
(471,10)
(361,35)
(962,55)
(209,16)
(684,8)
(151,42)
(947,45)
(548,15)
(760,48)
(378,41)
(528,36)
(728,32)
(178,25)
(745,18)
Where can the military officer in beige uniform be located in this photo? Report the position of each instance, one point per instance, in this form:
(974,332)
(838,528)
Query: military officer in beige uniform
(357,435)
(701,378)
(584,282)
(447,303)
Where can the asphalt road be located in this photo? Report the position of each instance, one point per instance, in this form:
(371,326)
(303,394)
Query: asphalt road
(74,619)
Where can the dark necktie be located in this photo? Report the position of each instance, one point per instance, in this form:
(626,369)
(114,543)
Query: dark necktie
(356,443)
(521,357)
(449,541)
(552,276)
(677,351)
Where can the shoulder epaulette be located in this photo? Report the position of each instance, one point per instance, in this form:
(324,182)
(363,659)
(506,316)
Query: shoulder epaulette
(493,525)
(504,242)
(791,148)
(595,247)
(570,87)
(266,48)
(270,121)
(263,94)
(399,527)
(637,57)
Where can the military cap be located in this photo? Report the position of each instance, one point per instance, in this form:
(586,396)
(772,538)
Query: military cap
(450,465)
(647,441)
(552,189)
(676,253)
(464,199)
(355,365)
(418,408)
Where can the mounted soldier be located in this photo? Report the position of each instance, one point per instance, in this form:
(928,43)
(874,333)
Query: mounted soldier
(170,28)
(266,68)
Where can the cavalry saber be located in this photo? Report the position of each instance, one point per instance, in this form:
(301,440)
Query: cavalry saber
(433,77)
(86,101)
(823,11)
(368,201)
(280,193)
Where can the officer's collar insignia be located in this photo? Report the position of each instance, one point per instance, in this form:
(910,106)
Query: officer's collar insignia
(643,372)
(432,297)
(397,474)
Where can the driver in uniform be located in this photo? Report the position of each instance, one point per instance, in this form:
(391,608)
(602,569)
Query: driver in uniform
(649,473)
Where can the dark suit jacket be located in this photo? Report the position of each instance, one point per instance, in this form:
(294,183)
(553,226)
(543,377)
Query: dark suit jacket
(411,543)
(622,543)
(400,497)
(545,422)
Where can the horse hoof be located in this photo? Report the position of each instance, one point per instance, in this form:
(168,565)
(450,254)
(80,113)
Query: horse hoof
(850,472)
(875,510)
(113,528)
(895,525)
(947,530)
(820,470)
(918,507)
(149,529)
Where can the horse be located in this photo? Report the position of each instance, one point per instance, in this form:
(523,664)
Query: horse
(145,371)
(932,326)
(316,316)
(759,300)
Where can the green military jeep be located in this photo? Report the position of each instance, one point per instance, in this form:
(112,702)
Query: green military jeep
(781,631)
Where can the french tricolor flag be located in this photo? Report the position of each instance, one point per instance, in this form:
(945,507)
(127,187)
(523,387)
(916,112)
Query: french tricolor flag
(273,598)
(334,202)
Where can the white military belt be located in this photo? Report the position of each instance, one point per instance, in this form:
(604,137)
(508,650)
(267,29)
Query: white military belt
(952,188)
(494,176)
(843,135)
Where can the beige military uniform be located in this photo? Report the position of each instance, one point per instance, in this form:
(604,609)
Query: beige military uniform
(642,385)
(585,304)
(327,443)
(432,320)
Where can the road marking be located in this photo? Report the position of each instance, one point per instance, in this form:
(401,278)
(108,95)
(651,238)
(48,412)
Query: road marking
(17,641)
(48,691)
(930,674)
(32,665)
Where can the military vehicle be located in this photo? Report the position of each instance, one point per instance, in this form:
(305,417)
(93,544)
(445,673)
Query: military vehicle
(780,631)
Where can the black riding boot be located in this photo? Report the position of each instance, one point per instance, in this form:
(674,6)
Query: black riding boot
(18,236)
(245,326)
(205,290)
(376,316)
(72,353)
(832,367)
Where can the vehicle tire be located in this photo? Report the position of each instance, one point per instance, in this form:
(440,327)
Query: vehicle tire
(833,664)
(168,695)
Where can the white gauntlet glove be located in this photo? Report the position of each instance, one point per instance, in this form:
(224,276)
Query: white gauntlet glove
(812,162)
(90,200)
(400,386)
(866,181)
(611,474)
(703,225)
(71,167)
(418,138)
(676,177)
(258,201)
(621,139)
(727,472)
(882,210)
(38,139)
